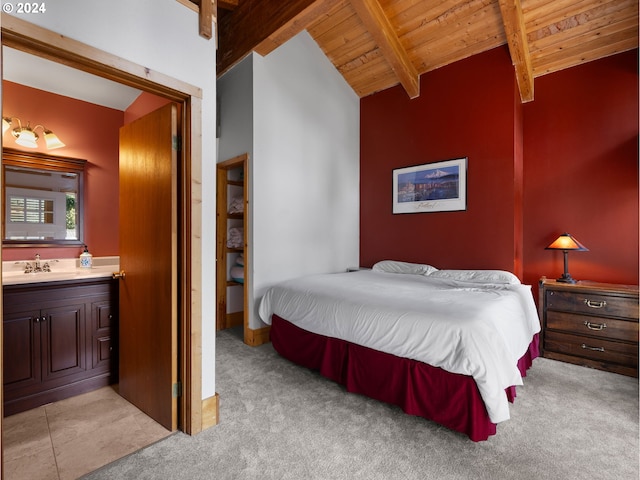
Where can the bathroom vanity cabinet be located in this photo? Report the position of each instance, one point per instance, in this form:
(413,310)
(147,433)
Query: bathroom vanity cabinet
(59,340)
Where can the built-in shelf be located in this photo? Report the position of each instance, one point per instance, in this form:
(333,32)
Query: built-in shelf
(231,182)
(232,178)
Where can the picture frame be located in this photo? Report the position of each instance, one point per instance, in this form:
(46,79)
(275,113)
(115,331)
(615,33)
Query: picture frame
(431,187)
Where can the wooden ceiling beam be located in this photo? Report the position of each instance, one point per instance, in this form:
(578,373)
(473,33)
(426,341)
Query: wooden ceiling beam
(297,24)
(252,22)
(223,4)
(516,34)
(383,33)
(206,16)
(228,4)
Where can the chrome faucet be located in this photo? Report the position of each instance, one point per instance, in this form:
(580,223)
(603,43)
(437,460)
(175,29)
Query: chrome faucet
(37,265)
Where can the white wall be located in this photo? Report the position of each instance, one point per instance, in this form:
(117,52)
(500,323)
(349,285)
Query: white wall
(235,97)
(235,105)
(163,36)
(304,145)
(306,167)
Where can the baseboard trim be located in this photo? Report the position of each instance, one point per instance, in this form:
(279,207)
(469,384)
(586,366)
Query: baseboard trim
(210,411)
(257,337)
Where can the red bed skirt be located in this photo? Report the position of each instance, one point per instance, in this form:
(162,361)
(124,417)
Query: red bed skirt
(450,399)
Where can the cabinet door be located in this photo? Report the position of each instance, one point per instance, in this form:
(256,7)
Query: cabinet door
(21,351)
(103,336)
(63,341)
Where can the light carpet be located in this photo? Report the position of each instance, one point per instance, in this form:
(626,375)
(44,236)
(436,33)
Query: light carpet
(281,421)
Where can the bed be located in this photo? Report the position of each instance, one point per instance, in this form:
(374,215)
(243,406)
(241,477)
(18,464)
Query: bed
(447,345)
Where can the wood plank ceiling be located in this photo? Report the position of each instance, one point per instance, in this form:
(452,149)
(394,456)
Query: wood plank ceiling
(377,44)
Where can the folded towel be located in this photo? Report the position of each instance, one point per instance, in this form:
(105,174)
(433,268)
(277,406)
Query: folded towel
(237,205)
(235,238)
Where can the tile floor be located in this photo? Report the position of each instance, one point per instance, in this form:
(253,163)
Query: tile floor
(67,439)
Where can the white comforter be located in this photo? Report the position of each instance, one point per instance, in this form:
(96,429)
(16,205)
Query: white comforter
(473,329)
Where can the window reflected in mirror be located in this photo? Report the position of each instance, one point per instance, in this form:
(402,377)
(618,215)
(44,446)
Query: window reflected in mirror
(43,199)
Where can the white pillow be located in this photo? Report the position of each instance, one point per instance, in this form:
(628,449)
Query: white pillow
(477,276)
(394,266)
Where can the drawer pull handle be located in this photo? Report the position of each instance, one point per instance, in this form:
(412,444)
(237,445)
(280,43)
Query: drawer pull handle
(595,349)
(595,326)
(593,304)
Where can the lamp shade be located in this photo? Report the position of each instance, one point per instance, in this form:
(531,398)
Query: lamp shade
(52,140)
(26,137)
(567,242)
(6,124)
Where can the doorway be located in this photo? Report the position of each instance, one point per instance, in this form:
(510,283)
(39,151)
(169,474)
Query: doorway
(26,37)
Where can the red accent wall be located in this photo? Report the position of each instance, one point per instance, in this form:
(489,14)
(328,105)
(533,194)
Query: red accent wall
(91,133)
(568,161)
(581,170)
(467,109)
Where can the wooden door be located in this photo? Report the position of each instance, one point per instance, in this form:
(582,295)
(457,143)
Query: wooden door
(148,258)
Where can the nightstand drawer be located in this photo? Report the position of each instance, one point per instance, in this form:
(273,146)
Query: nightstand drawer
(592,348)
(606,328)
(593,304)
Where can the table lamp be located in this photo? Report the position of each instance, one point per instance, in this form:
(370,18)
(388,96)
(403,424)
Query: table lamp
(566,242)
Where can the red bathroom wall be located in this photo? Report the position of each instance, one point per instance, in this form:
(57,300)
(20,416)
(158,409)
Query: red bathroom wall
(467,109)
(144,104)
(581,170)
(90,132)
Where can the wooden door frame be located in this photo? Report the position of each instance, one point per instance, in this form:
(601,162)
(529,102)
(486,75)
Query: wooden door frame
(30,38)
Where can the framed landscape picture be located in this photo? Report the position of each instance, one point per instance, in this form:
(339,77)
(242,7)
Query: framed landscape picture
(431,187)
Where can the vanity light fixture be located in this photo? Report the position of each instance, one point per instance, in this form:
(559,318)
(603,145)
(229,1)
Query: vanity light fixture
(27,137)
(566,242)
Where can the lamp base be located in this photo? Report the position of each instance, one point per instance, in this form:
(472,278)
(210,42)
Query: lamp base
(566,278)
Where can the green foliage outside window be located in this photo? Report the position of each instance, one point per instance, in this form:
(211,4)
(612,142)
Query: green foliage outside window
(71,212)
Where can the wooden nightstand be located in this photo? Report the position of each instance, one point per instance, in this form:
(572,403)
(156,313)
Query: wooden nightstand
(590,324)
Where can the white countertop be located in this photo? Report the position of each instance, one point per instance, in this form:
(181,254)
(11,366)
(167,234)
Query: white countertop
(63,269)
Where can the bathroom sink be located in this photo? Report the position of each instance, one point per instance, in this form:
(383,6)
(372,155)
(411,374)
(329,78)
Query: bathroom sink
(12,278)
(64,269)
(17,273)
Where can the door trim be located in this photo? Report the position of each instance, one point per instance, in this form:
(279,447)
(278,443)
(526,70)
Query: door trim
(30,38)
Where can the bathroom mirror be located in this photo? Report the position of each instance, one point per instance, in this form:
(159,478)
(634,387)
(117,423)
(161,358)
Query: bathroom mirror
(43,199)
